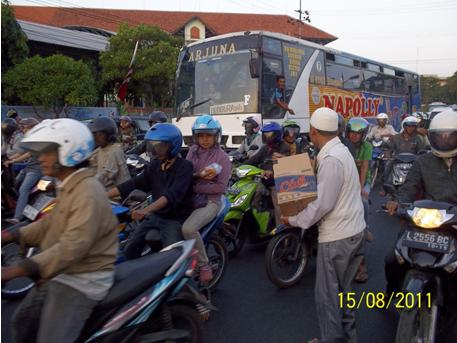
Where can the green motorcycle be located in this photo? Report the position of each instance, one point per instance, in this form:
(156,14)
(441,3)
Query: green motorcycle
(244,223)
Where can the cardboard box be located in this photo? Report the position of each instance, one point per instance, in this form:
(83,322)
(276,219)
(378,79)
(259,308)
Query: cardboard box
(295,183)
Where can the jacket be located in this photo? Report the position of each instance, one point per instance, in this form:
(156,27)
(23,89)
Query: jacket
(431,176)
(111,165)
(174,183)
(202,158)
(398,144)
(256,139)
(78,236)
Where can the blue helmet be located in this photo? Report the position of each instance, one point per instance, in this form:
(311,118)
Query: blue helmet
(165,132)
(271,132)
(206,124)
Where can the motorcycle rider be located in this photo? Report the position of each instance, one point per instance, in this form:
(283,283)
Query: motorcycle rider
(434,175)
(154,118)
(290,144)
(252,126)
(212,170)
(168,178)
(382,130)
(78,240)
(29,176)
(407,141)
(339,210)
(356,131)
(342,132)
(271,137)
(11,137)
(108,158)
(127,133)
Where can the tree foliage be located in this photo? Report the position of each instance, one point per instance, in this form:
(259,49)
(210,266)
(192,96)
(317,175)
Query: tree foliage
(154,67)
(56,82)
(435,89)
(14,41)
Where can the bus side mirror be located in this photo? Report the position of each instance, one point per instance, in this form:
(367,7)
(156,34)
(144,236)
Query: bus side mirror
(254,67)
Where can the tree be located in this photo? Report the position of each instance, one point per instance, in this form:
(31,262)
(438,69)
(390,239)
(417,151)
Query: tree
(14,41)
(154,67)
(435,89)
(56,82)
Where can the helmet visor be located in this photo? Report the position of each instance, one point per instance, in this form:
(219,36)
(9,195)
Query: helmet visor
(268,137)
(291,131)
(207,131)
(158,148)
(443,140)
(39,147)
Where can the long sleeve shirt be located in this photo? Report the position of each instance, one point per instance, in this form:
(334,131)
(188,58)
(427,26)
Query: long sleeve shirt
(329,185)
(338,207)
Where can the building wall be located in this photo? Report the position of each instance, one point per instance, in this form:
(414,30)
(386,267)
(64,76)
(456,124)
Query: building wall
(188,28)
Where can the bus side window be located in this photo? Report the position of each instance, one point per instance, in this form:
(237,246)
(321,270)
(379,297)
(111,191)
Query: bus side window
(317,75)
(271,68)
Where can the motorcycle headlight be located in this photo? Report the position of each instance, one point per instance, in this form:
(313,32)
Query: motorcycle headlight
(241,172)
(239,201)
(43,185)
(428,218)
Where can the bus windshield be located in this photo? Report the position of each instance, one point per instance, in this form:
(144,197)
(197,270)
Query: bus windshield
(217,85)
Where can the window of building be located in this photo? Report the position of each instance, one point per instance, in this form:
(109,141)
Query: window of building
(194,32)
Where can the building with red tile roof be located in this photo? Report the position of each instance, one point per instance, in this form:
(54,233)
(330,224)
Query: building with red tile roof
(192,25)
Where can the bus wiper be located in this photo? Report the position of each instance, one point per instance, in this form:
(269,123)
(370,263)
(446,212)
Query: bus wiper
(188,108)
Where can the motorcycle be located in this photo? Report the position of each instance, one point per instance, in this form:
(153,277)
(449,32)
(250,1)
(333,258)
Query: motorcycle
(427,249)
(288,254)
(242,222)
(215,246)
(378,157)
(402,163)
(135,164)
(44,202)
(41,202)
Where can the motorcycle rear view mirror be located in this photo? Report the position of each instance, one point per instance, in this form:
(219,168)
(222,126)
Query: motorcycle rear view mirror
(137,195)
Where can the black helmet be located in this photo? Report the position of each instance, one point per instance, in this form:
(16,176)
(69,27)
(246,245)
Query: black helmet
(157,117)
(341,124)
(12,113)
(9,126)
(106,125)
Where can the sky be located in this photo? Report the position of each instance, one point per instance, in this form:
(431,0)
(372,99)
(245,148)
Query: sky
(418,35)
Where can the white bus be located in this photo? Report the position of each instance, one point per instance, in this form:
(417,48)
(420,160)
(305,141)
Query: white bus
(234,76)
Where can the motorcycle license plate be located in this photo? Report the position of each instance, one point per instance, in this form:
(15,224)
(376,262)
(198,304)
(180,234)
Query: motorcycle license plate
(430,241)
(32,211)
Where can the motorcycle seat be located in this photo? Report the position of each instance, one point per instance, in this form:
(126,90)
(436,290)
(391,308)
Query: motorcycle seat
(134,276)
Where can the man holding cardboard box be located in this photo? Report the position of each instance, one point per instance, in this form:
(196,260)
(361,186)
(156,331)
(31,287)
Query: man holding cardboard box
(339,211)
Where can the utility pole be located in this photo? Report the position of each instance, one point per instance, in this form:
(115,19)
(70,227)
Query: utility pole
(300,13)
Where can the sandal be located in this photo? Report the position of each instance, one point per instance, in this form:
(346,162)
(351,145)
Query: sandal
(206,273)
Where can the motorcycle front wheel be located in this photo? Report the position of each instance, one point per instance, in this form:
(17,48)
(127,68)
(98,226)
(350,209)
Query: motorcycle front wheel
(286,259)
(417,325)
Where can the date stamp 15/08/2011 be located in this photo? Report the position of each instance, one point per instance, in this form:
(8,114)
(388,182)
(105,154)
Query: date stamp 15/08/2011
(398,300)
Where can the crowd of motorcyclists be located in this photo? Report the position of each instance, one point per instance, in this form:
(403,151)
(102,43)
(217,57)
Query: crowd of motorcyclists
(78,238)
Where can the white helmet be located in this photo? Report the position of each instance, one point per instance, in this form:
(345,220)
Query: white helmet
(382,116)
(74,140)
(442,134)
